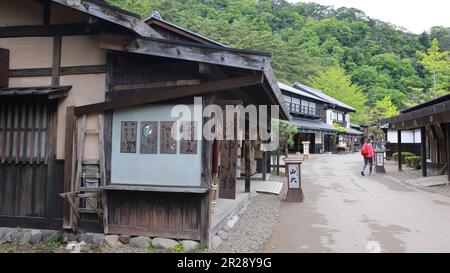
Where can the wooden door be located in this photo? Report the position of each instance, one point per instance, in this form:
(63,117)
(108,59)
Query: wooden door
(30,177)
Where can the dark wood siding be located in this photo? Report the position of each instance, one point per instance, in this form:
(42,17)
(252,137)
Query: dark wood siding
(4,67)
(174,215)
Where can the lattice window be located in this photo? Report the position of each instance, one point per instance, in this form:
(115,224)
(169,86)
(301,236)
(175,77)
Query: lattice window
(23,130)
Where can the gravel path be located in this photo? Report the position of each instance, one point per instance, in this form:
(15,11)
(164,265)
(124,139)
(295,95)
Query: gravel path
(254,227)
(408,173)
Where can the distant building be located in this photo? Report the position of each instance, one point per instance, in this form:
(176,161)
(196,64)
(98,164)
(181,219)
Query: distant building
(315,114)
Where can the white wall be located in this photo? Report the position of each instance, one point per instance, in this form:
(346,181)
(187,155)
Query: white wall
(318,139)
(153,169)
(329,115)
(347,120)
(408,136)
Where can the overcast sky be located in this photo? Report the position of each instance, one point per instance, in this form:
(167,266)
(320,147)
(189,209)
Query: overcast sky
(414,15)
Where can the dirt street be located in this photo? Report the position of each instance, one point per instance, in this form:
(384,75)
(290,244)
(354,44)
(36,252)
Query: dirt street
(346,212)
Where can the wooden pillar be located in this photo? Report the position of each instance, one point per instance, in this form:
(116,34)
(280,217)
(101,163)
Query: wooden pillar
(69,164)
(399,149)
(264,166)
(247,147)
(423,137)
(448,152)
(278,161)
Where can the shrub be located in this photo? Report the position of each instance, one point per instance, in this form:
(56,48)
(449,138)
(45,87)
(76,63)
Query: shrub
(414,162)
(404,155)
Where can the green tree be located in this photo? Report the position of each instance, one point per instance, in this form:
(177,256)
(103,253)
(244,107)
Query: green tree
(386,108)
(335,83)
(438,64)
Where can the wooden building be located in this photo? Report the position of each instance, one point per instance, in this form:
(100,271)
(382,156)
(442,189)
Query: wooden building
(433,120)
(85,96)
(315,113)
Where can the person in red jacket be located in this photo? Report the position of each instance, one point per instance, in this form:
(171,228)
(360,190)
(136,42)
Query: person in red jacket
(368,154)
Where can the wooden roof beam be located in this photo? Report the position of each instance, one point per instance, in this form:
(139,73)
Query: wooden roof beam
(203,54)
(107,13)
(172,93)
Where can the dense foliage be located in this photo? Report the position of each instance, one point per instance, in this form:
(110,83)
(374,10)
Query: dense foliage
(342,51)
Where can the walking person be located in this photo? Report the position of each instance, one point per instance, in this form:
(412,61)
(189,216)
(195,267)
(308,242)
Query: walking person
(368,154)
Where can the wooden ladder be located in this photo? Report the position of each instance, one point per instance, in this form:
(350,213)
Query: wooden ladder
(91,195)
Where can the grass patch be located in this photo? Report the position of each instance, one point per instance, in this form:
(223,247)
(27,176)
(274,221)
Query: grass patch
(48,245)
(149,248)
(177,249)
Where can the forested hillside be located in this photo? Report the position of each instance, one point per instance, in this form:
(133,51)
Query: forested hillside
(372,65)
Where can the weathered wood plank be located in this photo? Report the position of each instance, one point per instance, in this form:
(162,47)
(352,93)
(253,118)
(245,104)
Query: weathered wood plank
(128,137)
(227,173)
(168,144)
(64,71)
(57,41)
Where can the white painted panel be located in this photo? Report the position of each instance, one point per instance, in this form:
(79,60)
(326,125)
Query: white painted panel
(318,139)
(294,176)
(329,120)
(417,136)
(408,136)
(153,169)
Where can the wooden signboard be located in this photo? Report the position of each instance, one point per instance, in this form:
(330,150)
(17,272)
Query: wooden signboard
(168,144)
(149,137)
(293,171)
(379,161)
(188,142)
(128,137)
(227,171)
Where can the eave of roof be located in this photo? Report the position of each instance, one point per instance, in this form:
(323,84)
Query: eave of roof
(151,18)
(428,103)
(299,92)
(52,92)
(324,96)
(315,124)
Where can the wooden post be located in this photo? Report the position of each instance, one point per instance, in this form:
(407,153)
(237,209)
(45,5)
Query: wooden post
(68,165)
(56,60)
(278,161)
(448,153)
(247,156)
(399,149)
(207,162)
(423,136)
(264,166)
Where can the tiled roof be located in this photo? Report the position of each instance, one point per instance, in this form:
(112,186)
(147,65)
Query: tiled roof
(324,96)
